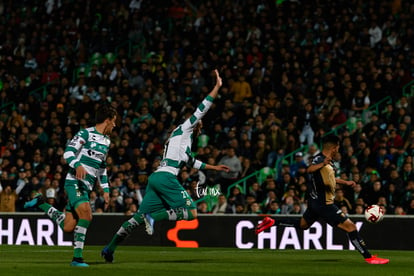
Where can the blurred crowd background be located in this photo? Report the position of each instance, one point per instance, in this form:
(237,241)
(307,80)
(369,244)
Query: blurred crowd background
(292,71)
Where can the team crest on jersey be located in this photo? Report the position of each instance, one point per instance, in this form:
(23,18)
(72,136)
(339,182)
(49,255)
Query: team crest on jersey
(188,202)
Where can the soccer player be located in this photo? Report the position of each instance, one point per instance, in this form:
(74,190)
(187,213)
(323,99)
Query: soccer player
(321,201)
(165,198)
(86,155)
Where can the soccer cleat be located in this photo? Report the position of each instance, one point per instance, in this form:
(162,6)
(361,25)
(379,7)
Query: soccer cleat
(149,224)
(107,255)
(266,223)
(78,262)
(35,202)
(375,260)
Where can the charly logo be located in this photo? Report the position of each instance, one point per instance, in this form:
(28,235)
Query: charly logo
(202,190)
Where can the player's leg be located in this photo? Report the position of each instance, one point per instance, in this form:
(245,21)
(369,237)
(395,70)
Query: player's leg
(78,200)
(150,202)
(84,212)
(179,203)
(123,232)
(53,213)
(163,190)
(304,222)
(70,221)
(359,243)
(350,228)
(335,217)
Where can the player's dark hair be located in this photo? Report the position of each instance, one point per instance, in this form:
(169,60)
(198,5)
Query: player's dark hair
(104,112)
(330,140)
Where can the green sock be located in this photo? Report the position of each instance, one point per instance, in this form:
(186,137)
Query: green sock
(173,214)
(125,230)
(160,215)
(53,213)
(79,237)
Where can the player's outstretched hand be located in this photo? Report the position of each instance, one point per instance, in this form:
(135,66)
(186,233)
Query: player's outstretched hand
(219,81)
(350,183)
(222,168)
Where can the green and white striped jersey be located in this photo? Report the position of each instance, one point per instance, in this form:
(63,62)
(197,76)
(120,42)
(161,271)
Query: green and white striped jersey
(88,148)
(177,149)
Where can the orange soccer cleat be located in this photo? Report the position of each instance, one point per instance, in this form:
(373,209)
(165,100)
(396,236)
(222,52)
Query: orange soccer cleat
(375,260)
(266,223)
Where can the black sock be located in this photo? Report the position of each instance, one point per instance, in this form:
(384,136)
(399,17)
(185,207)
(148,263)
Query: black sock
(77,259)
(359,244)
(288,222)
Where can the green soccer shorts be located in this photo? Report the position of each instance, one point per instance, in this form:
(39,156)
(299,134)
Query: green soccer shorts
(164,191)
(77,193)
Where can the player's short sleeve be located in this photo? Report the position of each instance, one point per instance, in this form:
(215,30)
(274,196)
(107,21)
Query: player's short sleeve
(318,159)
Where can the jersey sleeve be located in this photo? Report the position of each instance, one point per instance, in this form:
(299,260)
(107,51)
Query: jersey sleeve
(193,162)
(73,147)
(318,159)
(199,113)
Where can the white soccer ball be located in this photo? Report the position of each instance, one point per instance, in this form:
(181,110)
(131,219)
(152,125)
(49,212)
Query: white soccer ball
(374,214)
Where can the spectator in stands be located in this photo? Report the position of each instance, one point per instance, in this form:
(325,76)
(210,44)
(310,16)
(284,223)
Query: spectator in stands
(360,103)
(236,196)
(255,209)
(336,117)
(202,208)
(410,208)
(340,200)
(222,207)
(231,160)
(374,193)
(256,191)
(307,123)
(241,90)
(273,208)
(359,209)
(275,144)
(312,151)
(287,205)
(298,163)
(8,197)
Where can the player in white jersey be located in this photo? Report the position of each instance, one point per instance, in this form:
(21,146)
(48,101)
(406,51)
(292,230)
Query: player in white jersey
(165,198)
(86,155)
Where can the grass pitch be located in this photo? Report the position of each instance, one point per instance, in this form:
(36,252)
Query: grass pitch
(138,260)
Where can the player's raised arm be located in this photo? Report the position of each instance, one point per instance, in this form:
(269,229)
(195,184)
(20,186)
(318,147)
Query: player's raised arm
(219,83)
(204,106)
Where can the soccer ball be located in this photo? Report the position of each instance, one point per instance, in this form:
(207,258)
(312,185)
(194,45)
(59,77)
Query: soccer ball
(374,214)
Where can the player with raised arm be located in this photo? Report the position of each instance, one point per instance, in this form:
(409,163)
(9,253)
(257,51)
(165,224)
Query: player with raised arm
(321,201)
(165,198)
(86,155)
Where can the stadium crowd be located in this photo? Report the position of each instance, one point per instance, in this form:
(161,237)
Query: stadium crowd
(292,71)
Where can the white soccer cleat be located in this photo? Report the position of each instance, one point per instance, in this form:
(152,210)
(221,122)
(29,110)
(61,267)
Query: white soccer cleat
(149,224)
